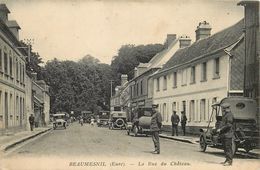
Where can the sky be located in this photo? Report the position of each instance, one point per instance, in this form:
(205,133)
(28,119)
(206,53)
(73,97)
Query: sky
(71,29)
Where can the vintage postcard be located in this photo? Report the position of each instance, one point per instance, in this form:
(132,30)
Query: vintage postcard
(129,84)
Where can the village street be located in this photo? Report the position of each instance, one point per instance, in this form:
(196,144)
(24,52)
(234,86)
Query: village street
(81,143)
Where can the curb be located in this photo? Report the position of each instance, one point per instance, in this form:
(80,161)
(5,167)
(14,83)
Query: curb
(177,139)
(9,146)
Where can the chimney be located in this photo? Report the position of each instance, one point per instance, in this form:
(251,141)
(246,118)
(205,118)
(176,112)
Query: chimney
(34,76)
(14,28)
(4,11)
(203,30)
(170,38)
(185,41)
(124,78)
(135,72)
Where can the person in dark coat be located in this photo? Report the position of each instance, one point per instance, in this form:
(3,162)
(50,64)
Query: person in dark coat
(183,122)
(175,121)
(227,133)
(31,121)
(156,123)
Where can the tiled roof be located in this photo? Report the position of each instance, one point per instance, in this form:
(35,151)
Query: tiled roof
(207,46)
(12,24)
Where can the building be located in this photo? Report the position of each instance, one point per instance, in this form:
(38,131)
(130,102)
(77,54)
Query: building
(252,47)
(12,75)
(201,74)
(140,94)
(120,100)
(41,101)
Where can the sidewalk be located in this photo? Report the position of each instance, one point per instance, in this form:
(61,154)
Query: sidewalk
(187,139)
(192,140)
(7,142)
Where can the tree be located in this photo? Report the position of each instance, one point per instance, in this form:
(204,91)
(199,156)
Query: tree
(129,56)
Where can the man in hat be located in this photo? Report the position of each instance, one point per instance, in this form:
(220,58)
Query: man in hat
(31,121)
(156,123)
(175,119)
(227,133)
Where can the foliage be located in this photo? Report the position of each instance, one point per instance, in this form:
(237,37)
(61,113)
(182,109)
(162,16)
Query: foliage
(129,56)
(78,86)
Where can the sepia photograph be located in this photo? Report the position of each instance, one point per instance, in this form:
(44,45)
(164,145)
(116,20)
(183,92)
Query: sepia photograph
(129,84)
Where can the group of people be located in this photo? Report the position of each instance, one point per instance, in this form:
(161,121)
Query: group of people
(226,131)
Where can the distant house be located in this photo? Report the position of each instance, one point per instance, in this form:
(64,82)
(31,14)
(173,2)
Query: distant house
(203,73)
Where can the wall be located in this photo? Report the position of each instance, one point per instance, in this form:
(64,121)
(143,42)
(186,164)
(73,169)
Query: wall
(208,90)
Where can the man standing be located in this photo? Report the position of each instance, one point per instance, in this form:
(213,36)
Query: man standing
(31,121)
(156,123)
(183,122)
(175,121)
(227,133)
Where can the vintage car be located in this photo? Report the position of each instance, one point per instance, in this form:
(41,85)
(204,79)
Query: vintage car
(140,121)
(246,133)
(59,120)
(117,120)
(102,118)
(87,115)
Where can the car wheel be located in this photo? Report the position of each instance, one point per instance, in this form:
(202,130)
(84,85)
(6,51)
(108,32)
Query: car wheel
(135,131)
(203,145)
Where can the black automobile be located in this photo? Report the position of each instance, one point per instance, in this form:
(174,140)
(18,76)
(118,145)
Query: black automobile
(246,133)
(140,121)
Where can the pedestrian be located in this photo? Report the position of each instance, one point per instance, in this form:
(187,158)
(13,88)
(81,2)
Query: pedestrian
(156,124)
(31,121)
(227,133)
(92,121)
(175,121)
(183,122)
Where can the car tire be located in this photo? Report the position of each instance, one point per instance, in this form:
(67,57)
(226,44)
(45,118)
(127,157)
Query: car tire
(203,145)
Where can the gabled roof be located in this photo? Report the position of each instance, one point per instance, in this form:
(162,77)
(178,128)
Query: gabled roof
(3,7)
(13,24)
(206,47)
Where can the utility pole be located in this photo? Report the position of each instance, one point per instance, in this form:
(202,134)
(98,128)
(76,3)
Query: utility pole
(111,92)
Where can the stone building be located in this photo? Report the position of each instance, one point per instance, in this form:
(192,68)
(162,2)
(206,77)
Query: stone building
(12,75)
(198,75)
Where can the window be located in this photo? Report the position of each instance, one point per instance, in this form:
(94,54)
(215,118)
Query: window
(164,112)
(184,77)
(203,109)
(193,75)
(175,79)
(192,110)
(23,73)
(184,106)
(216,68)
(11,66)
(164,82)
(5,63)
(17,70)
(204,71)
(1,60)
(20,72)
(158,84)
(141,90)
(174,106)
